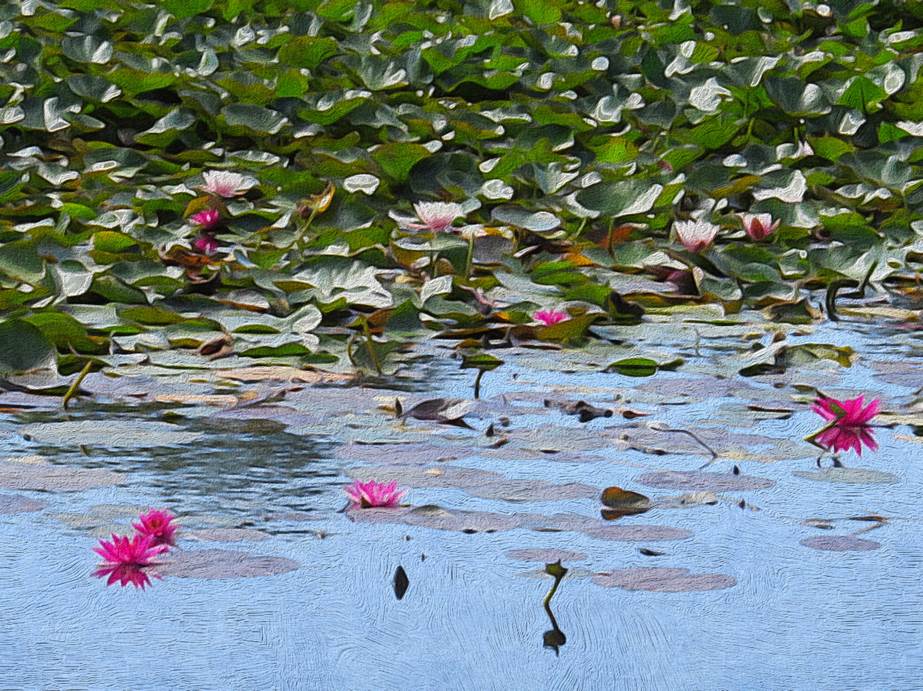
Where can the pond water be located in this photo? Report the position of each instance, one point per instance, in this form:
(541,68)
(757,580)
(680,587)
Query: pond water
(755,569)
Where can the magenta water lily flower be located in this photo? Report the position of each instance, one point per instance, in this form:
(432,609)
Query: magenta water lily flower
(434,216)
(848,423)
(138,550)
(125,574)
(697,235)
(159,525)
(206,243)
(223,183)
(849,413)
(759,226)
(550,317)
(371,494)
(207,219)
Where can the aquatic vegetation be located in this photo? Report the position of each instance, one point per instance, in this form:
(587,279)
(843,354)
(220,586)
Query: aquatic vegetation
(374,494)
(759,226)
(695,235)
(138,550)
(159,525)
(550,317)
(544,165)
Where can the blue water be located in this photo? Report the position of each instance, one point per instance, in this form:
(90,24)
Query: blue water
(797,618)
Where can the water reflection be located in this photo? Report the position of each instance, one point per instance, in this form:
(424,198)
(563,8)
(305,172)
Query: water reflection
(125,574)
(553,638)
(839,439)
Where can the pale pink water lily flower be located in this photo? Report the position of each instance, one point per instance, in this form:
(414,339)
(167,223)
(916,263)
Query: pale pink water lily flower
(373,494)
(759,226)
(224,183)
(208,218)
(138,550)
(550,317)
(159,524)
(697,235)
(434,216)
(206,244)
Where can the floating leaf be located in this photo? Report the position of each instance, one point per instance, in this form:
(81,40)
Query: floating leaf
(621,502)
(663,580)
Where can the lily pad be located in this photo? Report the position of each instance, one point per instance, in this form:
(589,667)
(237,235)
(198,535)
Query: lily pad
(698,481)
(621,502)
(663,580)
(35,473)
(480,483)
(14,503)
(226,535)
(141,434)
(545,556)
(840,543)
(213,564)
(849,476)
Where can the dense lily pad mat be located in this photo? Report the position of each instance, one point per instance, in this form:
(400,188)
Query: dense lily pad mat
(572,134)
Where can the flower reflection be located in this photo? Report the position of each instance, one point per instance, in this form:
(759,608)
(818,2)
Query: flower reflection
(847,427)
(125,574)
(838,439)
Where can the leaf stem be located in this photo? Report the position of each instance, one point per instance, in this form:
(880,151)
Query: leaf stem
(72,391)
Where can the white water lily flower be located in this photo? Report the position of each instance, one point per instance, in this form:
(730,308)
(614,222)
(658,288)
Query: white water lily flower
(224,183)
(695,235)
(432,216)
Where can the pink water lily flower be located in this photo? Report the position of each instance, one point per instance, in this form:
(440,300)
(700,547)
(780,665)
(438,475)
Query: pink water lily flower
(224,183)
(849,423)
(550,317)
(695,236)
(207,219)
(159,524)
(435,216)
(371,494)
(759,226)
(125,574)
(139,550)
(849,413)
(206,243)
(840,439)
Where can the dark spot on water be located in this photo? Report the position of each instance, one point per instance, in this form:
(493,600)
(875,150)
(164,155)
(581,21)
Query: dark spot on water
(401,582)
